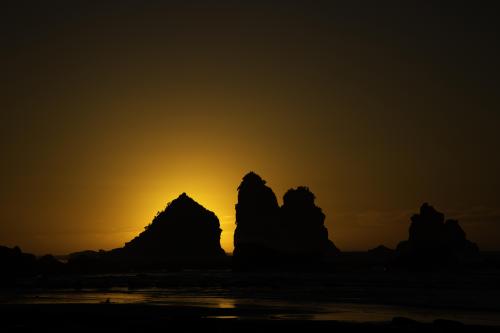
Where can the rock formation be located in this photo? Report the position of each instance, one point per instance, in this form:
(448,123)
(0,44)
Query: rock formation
(183,235)
(257,213)
(433,241)
(381,250)
(48,264)
(185,232)
(16,263)
(268,235)
(302,225)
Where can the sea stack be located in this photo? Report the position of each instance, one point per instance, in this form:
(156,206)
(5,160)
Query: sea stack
(273,237)
(303,225)
(185,234)
(257,214)
(432,241)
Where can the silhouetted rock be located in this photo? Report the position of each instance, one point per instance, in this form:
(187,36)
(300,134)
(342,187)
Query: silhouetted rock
(48,264)
(88,262)
(269,236)
(433,241)
(87,254)
(257,214)
(184,230)
(185,234)
(302,225)
(15,263)
(381,251)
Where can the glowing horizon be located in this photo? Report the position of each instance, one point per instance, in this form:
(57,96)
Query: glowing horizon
(109,112)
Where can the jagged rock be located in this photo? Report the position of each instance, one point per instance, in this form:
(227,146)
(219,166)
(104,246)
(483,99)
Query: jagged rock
(433,241)
(185,232)
(302,225)
(267,235)
(426,228)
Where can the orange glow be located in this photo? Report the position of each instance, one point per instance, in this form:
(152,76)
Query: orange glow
(109,114)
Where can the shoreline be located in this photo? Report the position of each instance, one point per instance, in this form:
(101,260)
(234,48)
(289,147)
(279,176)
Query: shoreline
(138,317)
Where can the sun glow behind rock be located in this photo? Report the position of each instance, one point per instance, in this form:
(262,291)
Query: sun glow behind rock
(203,189)
(111,112)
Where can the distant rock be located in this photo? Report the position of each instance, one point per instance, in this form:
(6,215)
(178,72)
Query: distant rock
(433,241)
(15,263)
(48,264)
(88,261)
(269,236)
(381,251)
(87,254)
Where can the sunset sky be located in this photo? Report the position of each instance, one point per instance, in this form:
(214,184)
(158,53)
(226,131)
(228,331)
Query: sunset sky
(111,109)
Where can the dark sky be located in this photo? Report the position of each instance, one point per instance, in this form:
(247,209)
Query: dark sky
(110,109)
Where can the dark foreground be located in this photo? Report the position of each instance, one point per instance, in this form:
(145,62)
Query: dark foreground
(143,318)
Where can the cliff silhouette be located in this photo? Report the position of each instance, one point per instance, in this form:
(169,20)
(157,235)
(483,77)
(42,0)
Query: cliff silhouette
(184,234)
(434,242)
(185,231)
(270,236)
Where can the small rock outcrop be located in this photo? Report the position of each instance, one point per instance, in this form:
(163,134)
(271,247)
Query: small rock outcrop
(381,250)
(433,241)
(16,263)
(270,236)
(48,264)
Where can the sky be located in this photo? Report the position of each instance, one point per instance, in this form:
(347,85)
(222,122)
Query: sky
(111,109)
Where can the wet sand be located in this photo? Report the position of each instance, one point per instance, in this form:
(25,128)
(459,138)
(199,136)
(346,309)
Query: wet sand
(144,318)
(224,301)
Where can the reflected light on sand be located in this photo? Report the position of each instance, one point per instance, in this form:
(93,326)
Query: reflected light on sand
(226,303)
